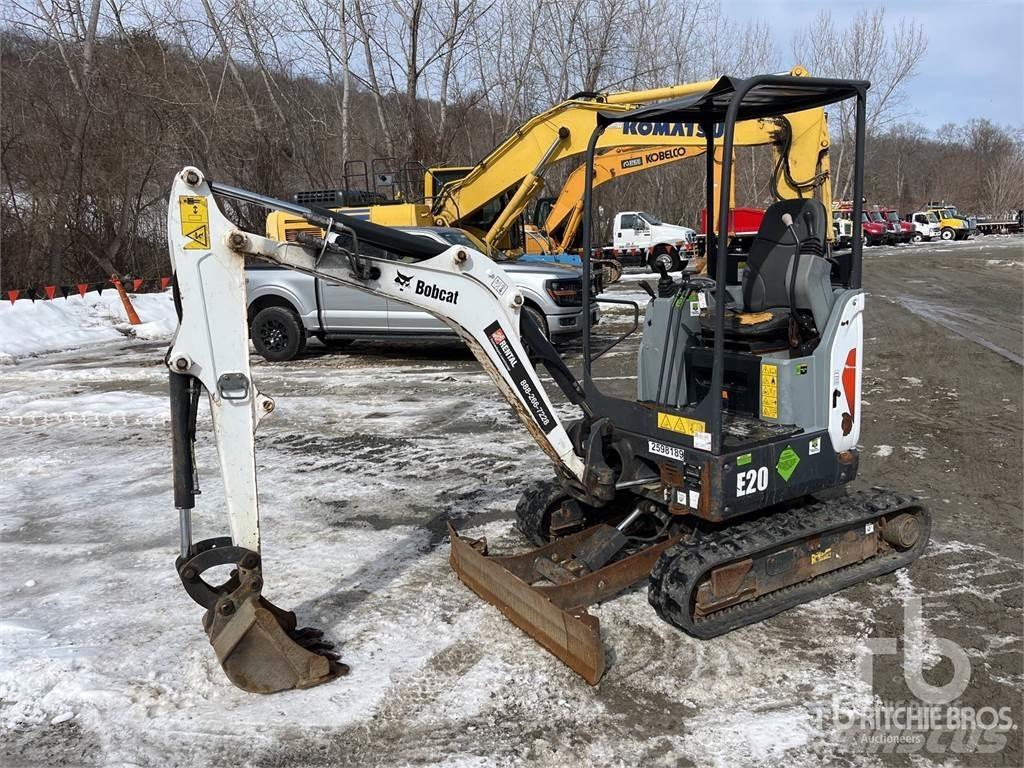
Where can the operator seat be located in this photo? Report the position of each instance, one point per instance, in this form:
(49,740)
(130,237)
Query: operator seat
(764,315)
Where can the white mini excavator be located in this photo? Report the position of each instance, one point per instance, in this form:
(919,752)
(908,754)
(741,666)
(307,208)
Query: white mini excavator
(723,482)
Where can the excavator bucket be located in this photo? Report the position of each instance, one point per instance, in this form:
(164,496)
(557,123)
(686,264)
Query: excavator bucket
(262,651)
(259,645)
(552,613)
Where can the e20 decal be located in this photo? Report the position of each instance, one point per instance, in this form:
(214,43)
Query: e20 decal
(751,481)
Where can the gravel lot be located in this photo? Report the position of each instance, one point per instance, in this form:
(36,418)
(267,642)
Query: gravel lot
(103,660)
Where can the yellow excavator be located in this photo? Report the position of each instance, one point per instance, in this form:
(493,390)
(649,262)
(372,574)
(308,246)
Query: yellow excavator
(489,199)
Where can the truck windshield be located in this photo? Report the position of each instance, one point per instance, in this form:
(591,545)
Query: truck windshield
(892,216)
(461,237)
(654,221)
(876,216)
(932,218)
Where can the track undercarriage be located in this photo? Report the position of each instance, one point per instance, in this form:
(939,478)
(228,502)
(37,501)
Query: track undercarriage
(703,579)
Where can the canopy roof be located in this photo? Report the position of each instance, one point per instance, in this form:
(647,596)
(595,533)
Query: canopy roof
(762,96)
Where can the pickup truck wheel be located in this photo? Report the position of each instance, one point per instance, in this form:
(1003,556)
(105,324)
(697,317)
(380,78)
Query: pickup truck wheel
(948,234)
(277,334)
(664,256)
(917,237)
(540,321)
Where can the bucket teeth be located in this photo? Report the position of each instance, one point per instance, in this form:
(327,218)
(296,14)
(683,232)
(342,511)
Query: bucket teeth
(259,645)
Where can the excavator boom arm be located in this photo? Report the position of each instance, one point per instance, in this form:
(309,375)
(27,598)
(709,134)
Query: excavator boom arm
(257,643)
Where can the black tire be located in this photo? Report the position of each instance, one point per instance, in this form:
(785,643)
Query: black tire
(540,321)
(277,334)
(533,512)
(948,234)
(917,237)
(667,257)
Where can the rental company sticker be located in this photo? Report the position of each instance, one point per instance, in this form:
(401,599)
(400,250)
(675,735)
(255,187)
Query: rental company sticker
(814,447)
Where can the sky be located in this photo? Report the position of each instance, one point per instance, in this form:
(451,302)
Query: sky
(974,66)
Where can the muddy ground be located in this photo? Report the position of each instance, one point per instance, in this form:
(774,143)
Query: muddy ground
(367,456)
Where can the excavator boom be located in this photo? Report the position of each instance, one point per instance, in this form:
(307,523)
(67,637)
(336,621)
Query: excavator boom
(258,644)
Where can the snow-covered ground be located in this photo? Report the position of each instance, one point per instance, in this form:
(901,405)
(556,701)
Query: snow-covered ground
(368,454)
(31,328)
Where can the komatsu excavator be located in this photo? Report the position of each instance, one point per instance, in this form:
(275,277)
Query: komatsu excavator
(722,483)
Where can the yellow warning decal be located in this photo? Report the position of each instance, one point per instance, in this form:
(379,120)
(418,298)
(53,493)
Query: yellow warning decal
(769,391)
(679,424)
(817,557)
(195,222)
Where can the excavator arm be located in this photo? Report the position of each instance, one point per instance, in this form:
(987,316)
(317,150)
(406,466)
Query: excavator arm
(799,143)
(258,644)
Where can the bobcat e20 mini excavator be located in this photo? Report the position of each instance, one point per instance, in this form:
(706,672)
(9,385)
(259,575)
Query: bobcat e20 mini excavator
(721,482)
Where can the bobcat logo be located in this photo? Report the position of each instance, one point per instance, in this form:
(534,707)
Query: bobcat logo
(402,281)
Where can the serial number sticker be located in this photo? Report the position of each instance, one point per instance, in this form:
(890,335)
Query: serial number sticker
(695,499)
(769,391)
(195,222)
(680,424)
(818,557)
(669,451)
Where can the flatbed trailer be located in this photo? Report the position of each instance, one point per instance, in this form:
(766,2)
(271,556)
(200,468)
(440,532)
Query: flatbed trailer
(1003,227)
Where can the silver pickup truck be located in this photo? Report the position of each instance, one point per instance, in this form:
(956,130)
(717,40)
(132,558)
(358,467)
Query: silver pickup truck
(287,307)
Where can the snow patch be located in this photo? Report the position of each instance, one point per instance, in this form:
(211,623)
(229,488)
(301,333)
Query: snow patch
(883,451)
(33,328)
(917,451)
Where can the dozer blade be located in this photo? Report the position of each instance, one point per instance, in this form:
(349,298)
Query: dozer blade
(258,644)
(554,615)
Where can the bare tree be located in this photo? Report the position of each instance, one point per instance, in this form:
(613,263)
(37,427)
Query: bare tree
(865,49)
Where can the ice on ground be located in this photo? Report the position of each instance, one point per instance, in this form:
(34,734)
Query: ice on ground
(32,328)
(917,451)
(882,451)
(121,407)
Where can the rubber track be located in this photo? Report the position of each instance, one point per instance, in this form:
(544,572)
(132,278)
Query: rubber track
(537,499)
(682,568)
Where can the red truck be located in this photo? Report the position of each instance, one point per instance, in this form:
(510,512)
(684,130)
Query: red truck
(874,230)
(743,226)
(897,231)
